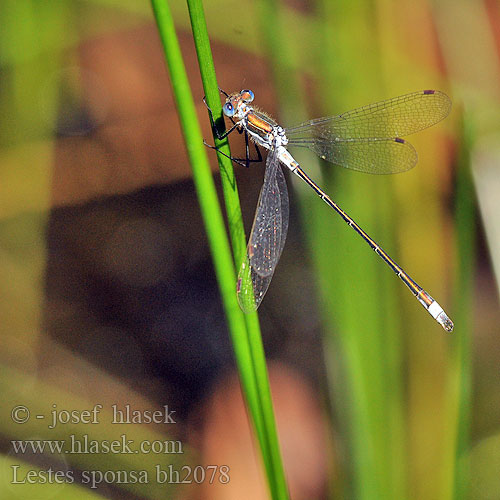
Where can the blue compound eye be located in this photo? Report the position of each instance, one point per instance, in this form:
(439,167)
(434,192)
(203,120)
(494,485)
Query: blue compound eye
(247,95)
(228,109)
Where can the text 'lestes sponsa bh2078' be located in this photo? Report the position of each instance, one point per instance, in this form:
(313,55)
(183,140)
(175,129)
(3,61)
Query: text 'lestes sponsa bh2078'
(367,139)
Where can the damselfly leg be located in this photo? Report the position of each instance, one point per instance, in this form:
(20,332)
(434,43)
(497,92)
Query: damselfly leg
(245,162)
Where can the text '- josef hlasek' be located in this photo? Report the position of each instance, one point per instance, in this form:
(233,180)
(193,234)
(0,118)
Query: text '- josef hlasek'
(118,415)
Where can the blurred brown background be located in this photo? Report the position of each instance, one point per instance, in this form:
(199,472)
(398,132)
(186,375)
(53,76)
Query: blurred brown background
(108,293)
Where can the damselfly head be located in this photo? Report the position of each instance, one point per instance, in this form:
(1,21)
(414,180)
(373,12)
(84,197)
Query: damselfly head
(236,104)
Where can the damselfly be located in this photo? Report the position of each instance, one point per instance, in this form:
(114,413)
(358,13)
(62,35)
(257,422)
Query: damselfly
(367,139)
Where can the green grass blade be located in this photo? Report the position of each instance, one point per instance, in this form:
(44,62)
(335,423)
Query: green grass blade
(262,414)
(244,331)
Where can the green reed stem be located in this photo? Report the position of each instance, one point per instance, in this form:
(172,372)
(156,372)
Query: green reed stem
(244,329)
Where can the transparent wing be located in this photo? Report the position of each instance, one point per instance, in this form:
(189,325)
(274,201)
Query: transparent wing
(267,237)
(397,117)
(373,156)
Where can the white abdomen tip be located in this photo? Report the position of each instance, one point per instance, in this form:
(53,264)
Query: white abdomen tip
(437,312)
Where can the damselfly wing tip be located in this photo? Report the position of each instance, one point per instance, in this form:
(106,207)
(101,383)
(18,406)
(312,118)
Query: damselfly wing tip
(247,303)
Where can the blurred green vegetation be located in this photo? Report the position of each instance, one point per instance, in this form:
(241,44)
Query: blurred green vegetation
(409,418)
